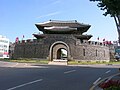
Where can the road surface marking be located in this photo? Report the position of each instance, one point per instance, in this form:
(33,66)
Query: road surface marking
(69,71)
(22,85)
(108,71)
(97,80)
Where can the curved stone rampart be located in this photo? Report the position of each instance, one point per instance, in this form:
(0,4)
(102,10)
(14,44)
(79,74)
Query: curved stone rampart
(40,48)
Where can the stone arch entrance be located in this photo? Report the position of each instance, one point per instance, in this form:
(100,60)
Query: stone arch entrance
(56,51)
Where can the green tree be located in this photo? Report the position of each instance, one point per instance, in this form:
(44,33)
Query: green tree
(111,7)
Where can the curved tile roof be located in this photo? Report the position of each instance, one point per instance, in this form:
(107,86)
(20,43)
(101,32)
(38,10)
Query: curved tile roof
(54,25)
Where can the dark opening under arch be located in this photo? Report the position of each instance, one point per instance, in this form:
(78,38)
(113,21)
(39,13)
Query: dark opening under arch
(61,53)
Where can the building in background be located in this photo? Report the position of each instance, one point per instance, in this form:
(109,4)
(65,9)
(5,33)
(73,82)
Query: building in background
(4,47)
(11,49)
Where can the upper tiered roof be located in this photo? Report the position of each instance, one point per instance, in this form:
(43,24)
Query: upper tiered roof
(67,27)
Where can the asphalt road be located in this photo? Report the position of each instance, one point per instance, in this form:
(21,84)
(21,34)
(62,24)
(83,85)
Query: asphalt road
(15,76)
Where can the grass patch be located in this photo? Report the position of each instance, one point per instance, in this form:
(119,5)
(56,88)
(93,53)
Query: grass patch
(114,62)
(73,62)
(26,61)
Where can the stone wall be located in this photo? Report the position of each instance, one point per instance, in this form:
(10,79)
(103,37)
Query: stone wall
(31,50)
(87,50)
(91,52)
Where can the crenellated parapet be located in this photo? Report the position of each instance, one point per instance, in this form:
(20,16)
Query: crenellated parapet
(85,42)
(78,42)
(30,41)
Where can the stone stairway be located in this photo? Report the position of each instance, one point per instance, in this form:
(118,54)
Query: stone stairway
(57,63)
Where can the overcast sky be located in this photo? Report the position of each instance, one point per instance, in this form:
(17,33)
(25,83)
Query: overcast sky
(18,17)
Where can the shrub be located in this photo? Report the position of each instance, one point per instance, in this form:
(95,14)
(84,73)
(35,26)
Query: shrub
(110,85)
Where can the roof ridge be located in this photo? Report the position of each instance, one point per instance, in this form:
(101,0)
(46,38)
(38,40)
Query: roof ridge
(68,21)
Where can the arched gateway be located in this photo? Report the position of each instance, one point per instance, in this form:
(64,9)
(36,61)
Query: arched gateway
(55,53)
(62,35)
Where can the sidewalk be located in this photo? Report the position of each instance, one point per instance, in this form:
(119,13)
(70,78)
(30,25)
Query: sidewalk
(99,65)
